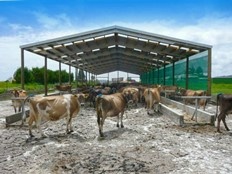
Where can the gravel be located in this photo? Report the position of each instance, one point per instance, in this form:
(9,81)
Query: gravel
(147,144)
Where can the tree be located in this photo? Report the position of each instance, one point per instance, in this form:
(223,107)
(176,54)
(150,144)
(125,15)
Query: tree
(37,75)
(199,71)
(81,75)
(28,77)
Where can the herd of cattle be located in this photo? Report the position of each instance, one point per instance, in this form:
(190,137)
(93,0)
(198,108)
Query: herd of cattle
(108,102)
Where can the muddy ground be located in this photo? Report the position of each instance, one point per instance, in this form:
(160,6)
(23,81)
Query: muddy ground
(147,144)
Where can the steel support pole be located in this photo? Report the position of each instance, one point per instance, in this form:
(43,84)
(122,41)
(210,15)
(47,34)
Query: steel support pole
(187,74)
(45,77)
(209,70)
(60,73)
(22,69)
(70,74)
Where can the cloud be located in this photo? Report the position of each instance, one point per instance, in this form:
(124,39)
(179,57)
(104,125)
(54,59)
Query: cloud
(211,30)
(58,21)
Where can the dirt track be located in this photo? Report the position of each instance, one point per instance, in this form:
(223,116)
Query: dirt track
(147,144)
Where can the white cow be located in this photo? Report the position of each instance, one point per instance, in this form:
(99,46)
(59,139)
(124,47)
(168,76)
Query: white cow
(53,108)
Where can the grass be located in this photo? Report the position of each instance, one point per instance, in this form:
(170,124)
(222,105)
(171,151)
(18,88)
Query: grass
(221,88)
(219,85)
(7,86)
(222,85)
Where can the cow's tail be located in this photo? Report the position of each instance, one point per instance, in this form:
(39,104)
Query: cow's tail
(217,106)
(99,106)
(150,98)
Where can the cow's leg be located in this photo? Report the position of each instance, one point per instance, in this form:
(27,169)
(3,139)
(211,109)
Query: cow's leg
(224,121)
(30,122)
(69,128)
(219,120)
(15,109)
(155,107)
(118,120)
(99,122)
(122,126)
(147,107)
(101,127)
(38,125)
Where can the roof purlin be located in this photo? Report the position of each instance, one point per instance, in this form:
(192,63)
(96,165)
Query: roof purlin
(132,44)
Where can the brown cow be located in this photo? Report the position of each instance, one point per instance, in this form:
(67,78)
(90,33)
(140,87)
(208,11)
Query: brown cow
(141,92)
(61,88)
(152,98)
(110,106)
(16,101)
(202,102)
(133,92)
(225,107)
(53,108)
(81,98)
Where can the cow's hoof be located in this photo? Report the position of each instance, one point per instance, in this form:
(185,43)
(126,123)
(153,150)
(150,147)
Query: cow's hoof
(122,126)
(101,138)
(29,139)
(70,131)
(44,135)
(117,125)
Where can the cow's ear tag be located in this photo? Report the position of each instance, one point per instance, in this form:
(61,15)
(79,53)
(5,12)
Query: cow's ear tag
(99,95)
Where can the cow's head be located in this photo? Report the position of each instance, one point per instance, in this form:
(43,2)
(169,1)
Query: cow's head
(129,96)
(15,93)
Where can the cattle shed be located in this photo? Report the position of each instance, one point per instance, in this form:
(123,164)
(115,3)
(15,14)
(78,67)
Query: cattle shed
(156,58)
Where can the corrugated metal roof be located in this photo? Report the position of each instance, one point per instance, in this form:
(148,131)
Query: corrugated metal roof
(116,48)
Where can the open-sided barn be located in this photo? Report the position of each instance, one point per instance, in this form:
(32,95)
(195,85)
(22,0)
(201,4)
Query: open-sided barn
(156,58)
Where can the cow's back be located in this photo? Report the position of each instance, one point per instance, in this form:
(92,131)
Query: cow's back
(55,107)
(225,103)
(111,105)
(152,94)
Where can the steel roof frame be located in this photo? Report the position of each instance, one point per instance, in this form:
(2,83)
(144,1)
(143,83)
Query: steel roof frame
(115,44)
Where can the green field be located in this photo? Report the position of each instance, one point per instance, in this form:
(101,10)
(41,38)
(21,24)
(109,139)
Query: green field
(222,85)
(219,85)
(7,86)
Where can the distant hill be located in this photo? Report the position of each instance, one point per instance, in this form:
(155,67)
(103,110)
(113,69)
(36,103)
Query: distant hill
(222,80)
(229,76)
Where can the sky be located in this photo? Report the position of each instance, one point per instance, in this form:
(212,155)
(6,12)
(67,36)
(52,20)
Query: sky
(27,21)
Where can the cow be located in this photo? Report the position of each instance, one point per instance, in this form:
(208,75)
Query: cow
(93,92)
(225,106)
(152,98)
(169,91)
(110,106)
(52,108)
(81,98)
(202,102)
(62,88)
(17,100)
(133,92)
(92,96)
(141,92)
